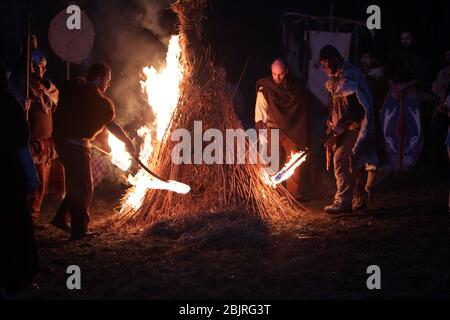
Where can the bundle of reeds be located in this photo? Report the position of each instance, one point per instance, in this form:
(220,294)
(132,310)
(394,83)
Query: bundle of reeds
(214,188)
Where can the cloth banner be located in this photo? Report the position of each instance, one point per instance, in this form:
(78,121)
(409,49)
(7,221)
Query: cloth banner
(316,77)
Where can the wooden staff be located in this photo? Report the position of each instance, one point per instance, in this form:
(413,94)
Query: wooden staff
(28,47)
(242,76)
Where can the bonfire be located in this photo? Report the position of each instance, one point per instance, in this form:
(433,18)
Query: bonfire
(187,90)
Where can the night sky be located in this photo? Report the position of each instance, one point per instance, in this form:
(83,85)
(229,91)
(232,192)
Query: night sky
(235,29)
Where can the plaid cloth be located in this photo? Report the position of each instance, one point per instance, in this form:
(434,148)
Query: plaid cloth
(55,180)
(98,166)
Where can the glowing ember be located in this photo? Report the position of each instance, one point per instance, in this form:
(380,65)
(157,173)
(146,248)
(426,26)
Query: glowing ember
(119,156)
(284,174)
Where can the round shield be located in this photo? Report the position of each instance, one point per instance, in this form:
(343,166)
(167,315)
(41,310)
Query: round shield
(71,45)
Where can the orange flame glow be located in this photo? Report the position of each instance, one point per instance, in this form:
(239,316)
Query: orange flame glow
(163,91)
(163,87)
(288,170)
(119,156)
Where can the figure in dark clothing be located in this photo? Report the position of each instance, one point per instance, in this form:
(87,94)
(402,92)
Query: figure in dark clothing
(83,112)
(283,103)
(374,73)
(44,98)
(19,260)
(351,129)
(440,122)
(401,115)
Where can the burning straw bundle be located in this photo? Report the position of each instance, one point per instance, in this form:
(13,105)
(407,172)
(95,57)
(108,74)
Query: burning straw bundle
(215,188)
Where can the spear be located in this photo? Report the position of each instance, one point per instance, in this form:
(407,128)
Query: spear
(28,37)
(242,76)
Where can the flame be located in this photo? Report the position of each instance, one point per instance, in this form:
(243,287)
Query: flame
(288,170)
(119,156)
(163,87)
(163,91)
(142,181)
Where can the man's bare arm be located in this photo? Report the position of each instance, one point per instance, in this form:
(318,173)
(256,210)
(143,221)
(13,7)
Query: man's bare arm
(120,134)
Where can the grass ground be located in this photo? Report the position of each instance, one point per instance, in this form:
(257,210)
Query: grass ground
(406,231)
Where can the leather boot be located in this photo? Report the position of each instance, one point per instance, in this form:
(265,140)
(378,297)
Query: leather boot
(339,208)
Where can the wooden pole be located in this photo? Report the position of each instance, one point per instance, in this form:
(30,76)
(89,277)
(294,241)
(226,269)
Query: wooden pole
(242,76)
(28,48)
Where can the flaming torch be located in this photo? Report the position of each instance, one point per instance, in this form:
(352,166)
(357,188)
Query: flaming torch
(122,159)
(288,170)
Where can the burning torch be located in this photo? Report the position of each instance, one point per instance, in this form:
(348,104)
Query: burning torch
(284,174)
(175,186)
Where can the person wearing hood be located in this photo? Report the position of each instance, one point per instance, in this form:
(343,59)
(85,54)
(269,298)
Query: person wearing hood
(351,130)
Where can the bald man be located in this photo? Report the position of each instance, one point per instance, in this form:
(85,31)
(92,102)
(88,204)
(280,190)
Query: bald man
(281,103)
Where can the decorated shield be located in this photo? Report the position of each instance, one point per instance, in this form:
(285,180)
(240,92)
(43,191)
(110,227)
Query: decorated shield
(402,131)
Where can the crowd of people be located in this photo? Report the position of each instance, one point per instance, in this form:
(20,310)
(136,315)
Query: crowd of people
(50,150)
(376,119)
(374,125)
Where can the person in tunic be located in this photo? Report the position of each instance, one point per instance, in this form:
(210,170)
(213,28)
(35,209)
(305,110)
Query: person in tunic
(83,113)
(351,129)
(401,113)
(282,103)
(44,98)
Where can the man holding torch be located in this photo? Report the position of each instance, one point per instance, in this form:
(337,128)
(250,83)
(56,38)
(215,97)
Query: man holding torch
(282,103)
(83,113)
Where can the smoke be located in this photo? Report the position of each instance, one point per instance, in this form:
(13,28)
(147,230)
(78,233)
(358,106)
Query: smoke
(130,36)
(152,17)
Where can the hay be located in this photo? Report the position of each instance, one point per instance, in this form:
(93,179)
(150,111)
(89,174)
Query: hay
(215,188)
(221,230)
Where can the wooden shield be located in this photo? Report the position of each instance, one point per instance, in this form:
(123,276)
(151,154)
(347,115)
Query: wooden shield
(71,45)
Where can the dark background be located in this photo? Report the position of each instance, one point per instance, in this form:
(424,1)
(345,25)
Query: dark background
(235,29)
